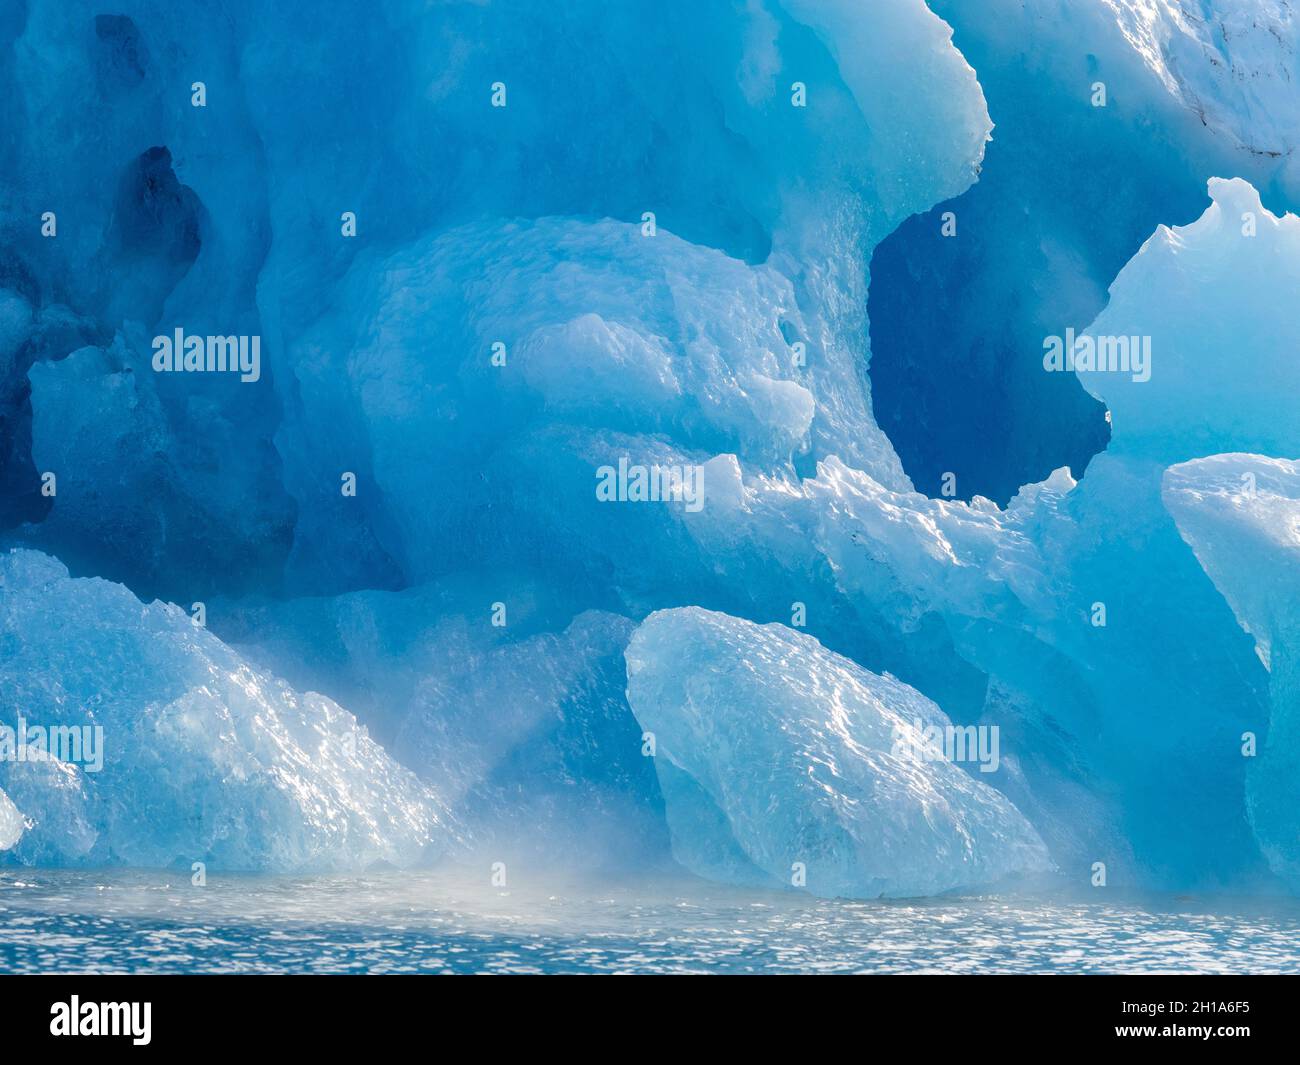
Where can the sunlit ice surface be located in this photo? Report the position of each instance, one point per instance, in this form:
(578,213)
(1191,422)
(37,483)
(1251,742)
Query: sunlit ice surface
(820,445)
(450,921)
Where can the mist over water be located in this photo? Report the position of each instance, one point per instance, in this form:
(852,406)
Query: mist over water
(150,921)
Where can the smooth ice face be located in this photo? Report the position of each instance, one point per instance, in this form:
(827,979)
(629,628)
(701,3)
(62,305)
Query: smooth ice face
(912,163)
(772,748)
(1188,354)
(100,419)
(196,755)
(1241,515)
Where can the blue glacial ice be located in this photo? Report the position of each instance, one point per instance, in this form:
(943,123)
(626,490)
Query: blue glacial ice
(523,730)
(833,792)
(1067,192)
(12,822)
(651,255)
(200,756)
(1241,515)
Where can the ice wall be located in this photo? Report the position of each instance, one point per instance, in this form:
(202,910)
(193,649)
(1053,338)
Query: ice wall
(661,250)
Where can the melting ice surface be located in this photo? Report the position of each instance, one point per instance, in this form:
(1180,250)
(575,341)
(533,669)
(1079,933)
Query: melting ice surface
(472,657)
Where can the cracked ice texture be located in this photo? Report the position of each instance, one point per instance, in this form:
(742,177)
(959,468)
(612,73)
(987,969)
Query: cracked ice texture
(1234,62)
(525,733)
(205,758)
(772,750)
(1230,65)
(606,330)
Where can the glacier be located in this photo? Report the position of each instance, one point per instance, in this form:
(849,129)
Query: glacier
(706,239)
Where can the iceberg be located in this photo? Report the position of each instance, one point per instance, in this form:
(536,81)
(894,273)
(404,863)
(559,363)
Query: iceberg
(772,748)
(204,758)
(1056,616)
(708,240)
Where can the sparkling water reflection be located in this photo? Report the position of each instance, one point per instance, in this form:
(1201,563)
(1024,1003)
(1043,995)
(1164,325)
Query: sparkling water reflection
(149,921)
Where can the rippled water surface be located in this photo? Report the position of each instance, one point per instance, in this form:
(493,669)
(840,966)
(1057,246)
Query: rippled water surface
(145,921)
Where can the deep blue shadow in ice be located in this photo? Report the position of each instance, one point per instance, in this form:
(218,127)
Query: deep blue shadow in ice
(1067,195)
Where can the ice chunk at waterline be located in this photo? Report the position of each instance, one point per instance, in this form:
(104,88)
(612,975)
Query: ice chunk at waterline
(1241,515)
(11,823)
(204,758)
(780,760)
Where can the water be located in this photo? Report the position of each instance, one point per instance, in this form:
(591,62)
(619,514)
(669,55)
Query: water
(151,921)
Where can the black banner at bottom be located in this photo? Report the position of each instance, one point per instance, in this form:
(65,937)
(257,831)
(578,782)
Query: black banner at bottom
(343,1013)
